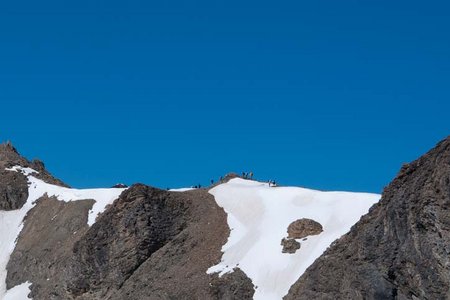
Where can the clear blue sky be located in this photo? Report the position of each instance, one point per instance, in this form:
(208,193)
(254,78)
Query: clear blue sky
(323,94)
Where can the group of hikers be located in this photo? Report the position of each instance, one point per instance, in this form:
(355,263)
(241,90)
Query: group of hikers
(272,183)
(245,175)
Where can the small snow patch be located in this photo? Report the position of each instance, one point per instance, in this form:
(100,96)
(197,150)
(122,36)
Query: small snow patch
(24,171)
(19,292)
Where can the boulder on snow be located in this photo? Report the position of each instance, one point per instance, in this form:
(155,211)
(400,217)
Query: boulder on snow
(290,245)
(303,227)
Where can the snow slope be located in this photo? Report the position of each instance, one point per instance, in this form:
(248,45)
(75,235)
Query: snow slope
(11,221)
(258,216)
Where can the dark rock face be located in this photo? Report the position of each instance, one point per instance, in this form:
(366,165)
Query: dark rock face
(13,190)
(232,286)
(150,244)
(141,222)
(400,250)
(303,227)
(45,244)
(290,245)
(9,154)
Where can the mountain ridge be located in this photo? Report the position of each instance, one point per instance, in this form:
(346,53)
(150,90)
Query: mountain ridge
(141,242)
(399,250)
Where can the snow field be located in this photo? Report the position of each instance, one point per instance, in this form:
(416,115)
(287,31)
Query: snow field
(259,215)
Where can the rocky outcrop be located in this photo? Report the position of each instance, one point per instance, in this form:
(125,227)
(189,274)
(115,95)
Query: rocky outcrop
(13,185)
(10,157)
(400,250)
(141,221)
(232,286)
(290,245)
(299,229)
(13,190)
(303,227)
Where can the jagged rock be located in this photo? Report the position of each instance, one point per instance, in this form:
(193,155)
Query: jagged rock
(38,165)
(9,157)
(289,245)
(139,223)
(232,286)
(400,250)
(303,227)
(13,190)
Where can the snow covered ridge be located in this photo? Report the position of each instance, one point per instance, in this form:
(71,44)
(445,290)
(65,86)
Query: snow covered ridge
(259,215)
(11,222)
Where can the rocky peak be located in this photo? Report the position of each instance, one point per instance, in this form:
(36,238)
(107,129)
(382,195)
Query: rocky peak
(400,249)
(13,185)
(9,155)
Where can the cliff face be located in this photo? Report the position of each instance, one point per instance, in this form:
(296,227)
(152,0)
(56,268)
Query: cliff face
(400,250)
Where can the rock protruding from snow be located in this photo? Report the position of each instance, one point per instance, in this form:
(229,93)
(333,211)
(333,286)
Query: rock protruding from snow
(258,216)
(303,227)
(290,245)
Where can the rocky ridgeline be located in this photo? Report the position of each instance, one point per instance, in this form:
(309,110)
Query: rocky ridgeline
(400,250)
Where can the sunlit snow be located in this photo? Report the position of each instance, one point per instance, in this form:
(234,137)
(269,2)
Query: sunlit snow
(258,216)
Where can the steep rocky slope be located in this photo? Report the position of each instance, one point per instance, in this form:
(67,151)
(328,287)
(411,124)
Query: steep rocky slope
(400,250)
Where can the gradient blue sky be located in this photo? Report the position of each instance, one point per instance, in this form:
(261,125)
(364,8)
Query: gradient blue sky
(323,94)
